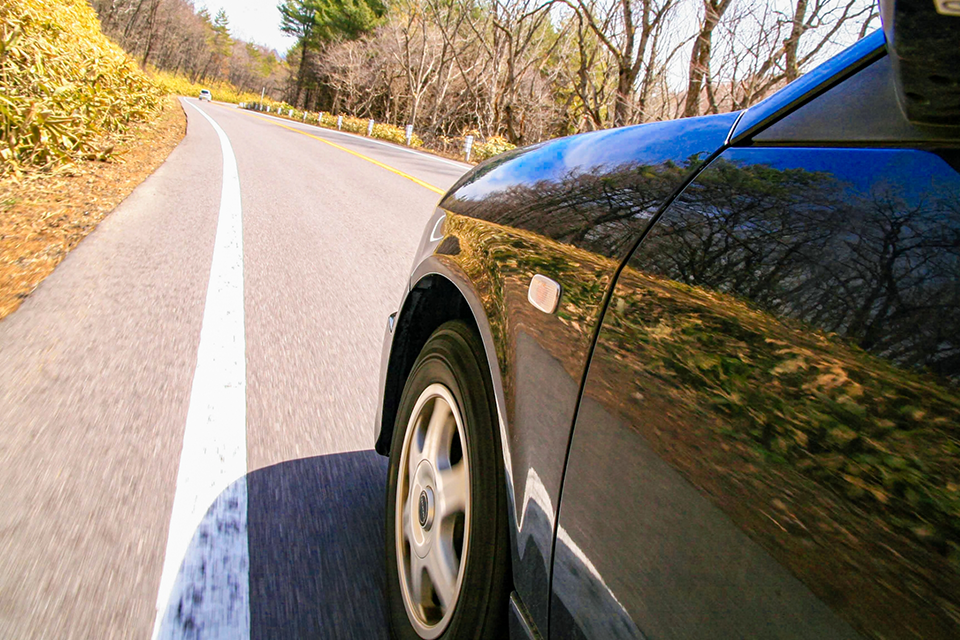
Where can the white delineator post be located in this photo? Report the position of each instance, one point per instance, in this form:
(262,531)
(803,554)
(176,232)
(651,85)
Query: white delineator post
(370,127)
(339,122)
(468,146)
(409,134)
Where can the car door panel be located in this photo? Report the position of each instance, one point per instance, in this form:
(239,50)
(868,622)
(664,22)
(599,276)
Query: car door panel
(768,441)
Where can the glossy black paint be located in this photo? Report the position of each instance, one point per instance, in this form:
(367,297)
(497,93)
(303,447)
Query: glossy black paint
(590,201)
(596,191)
(774,392)
(692,506)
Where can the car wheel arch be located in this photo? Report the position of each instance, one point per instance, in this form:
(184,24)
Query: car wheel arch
(434,299)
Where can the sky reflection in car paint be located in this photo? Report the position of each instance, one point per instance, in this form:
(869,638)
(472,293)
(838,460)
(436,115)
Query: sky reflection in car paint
(648,161)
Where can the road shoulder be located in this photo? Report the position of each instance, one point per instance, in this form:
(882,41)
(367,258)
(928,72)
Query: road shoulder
(44,215)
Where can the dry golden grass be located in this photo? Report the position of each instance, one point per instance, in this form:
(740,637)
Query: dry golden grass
(181,86)
(81,125)
(63,85)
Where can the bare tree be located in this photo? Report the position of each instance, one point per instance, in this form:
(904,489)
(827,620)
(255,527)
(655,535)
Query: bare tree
(630,30)
(699,71)
(772,43)
(532,69)
(171,35)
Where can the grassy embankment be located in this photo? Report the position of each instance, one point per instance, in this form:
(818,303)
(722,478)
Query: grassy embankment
(82,125)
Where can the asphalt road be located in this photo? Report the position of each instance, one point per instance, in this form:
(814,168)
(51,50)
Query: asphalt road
(97,379)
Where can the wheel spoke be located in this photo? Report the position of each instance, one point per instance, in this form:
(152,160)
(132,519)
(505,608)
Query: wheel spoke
(406,523)
(413,459)
(452,490)
(442,567)
(434,444)
(416,579)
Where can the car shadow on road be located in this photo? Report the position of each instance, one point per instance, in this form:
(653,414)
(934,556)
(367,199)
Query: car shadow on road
(315,528)
(312,556)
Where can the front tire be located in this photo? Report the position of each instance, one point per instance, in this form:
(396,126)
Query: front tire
(446,537)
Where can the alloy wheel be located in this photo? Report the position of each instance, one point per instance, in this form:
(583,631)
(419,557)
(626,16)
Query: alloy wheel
(432,511)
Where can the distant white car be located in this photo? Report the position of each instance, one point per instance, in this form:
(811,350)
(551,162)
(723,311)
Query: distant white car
(205,95)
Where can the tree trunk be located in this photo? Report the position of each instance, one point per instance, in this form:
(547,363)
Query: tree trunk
(301,74)
(151,33)
(792,44)
(700,55)
(623,104)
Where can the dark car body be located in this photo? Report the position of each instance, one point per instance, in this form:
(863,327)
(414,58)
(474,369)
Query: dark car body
(742,418)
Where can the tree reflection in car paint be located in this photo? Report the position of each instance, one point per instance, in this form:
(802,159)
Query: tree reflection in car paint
(788,338)
(891,286)
(563,339)
(591,199)
(595,191)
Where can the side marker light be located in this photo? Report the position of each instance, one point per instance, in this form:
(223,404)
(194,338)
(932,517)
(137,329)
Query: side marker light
(544,293)
(948,7)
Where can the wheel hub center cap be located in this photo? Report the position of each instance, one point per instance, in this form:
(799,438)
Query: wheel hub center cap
(425,508)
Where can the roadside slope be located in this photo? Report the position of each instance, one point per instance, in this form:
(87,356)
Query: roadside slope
(80,126)
(43,216)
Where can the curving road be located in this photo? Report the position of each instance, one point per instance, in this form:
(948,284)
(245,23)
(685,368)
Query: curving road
(115,405)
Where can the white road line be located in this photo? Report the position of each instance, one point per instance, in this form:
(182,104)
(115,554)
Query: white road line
(355,136)
(204,587)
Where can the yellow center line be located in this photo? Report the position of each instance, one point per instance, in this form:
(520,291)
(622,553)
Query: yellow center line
(351,152)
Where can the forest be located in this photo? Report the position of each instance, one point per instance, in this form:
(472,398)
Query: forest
(530,70)
(520,70)
(175,37)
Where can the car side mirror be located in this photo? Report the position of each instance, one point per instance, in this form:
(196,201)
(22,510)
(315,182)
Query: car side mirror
(923,40)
